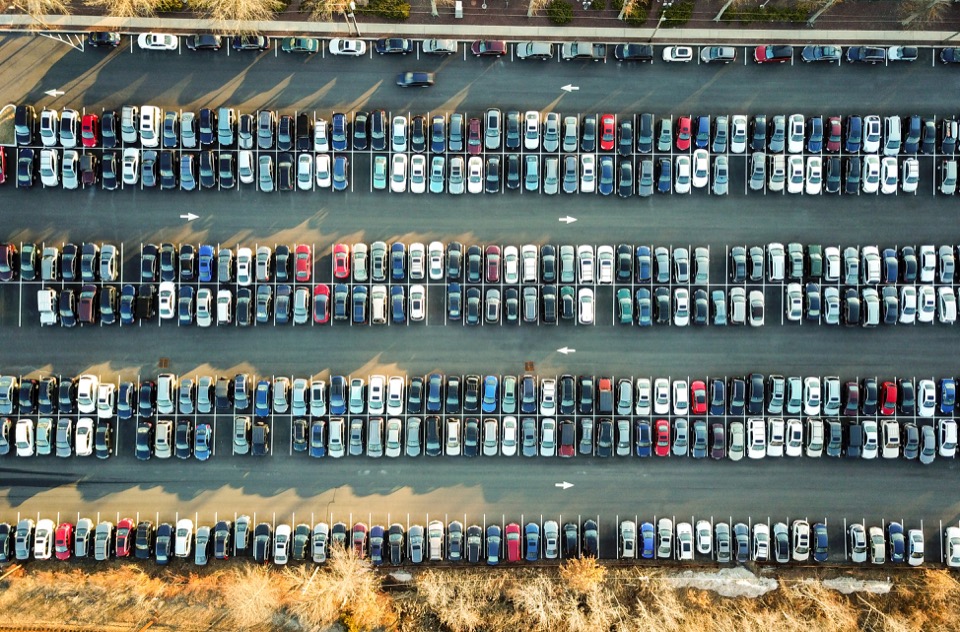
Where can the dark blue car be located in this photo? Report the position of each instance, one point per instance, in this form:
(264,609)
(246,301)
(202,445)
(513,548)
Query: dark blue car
(261,402)
(338,132)
(338,399)
(398,262)
(532,532)
(318,431)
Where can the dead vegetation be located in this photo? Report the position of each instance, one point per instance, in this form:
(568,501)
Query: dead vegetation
(580,595)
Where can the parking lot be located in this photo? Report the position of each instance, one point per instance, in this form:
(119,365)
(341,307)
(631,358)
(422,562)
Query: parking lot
(387,489)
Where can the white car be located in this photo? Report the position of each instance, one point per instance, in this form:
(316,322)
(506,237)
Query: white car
(347,47)
(795,134)
(323,176)
(70,166)
(604,265)
(793,303)
(776,436)
(455,175)
(684,542)
(795,174)
(642,396)
(811,396)
(49,167)
(915,547)
(888,175)
(926,304)
(131,166)
(436,269)
(305,173)
(585,261)
(908,304)
(677,53)
(398,134)
(946,305)
(245,169)
(83,439)
(508,442)
(910,175)
(418,173)
(701,168)
(511,264)
(321,141)
(738,134)
(794,438)
(87,388)
(69,125)
(439,46)
(105,400)
(951,546)
(158,41)
(585,306)
(43,539)
(398,174)
(757,438)
(704,537)
(682,184)
(681,397)
(661,396)
(49,127)
(891,439)
(588,173)
(474,175)
(681,307)
(871,174)
(871,439)
(166,300)
(801,540)
(928,263)
(531,134)
(393,444)
(418,302)
(814,175)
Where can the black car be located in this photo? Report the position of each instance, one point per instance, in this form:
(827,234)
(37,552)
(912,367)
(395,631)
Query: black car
(144,540)
(513,171)
(471,437)
(225,170)
(633,52)
(250,42)
(208,174)
(604,438)
(25,171)
(144,441)
(184,439)
(163,543)
(168,174)
(433,444)
(866,54)
(285,176)
(103,38)
(262,540)
(208,126)
(412,79)
(418,134)
(47,396)
(360,130)
(591,539)
(474,544)
(202,42)
(222,536)
(393,46)
(108,130)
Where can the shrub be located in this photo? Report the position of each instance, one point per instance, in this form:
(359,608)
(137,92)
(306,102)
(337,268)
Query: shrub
(560,11)
(398,10)
(636,13)
(169,6)
(598,5)
(678,14)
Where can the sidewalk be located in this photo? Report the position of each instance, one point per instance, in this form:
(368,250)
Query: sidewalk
(76,23)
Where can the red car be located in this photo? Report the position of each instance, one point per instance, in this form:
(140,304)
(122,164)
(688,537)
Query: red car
(304,263)
(772,54)
(474,141)
(568,439)
(663,438)
(494,48)
(126,532)
(63,541)
(3,165)
(608,132)
(90,130)
(833,134)
(321,304)
(698,398)
(888,398)
(512,533)
(341,261)
(359,536)
(683,133)
(493,264)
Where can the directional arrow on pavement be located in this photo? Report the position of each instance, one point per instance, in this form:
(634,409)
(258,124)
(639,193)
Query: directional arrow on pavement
(189,217)
(54,93)
(570,88)
(566,350)
(567,219)
(564,485)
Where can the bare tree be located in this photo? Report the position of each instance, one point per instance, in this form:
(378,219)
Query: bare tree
(37,9)
(629,6)
(434,4)
(727,5)
(125,8)
(823,9)
(324,10)
(535,6)
(921,12)
(583,574)
(221,11)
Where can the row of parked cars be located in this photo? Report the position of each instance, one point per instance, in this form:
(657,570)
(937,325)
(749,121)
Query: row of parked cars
(585,395)
(476,544)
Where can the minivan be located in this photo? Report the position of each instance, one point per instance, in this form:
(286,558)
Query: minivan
(948,177)
(165,383)
(892,134)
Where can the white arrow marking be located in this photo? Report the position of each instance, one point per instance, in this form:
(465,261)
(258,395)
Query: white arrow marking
(564,485)
(566,350)
(54,93)
(567,219)
(189,217)
(570,88)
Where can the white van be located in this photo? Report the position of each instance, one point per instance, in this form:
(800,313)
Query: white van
(893,136)
(378,304)
(47,305)
(224,307)
(150,117)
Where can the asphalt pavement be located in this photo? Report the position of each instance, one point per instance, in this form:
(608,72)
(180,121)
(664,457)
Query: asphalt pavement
(360,486)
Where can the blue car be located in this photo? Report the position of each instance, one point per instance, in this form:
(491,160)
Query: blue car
(490,384)
(338,392)
(340,181)
(644,266)
(948,395)
(318,438)
(207,261)
(201,442)
(821,543)
(359,305)
(434,392)
(648,541)
(438,134)
(642,434)
(338,132)
(376,545)
(493,545)
(397,305)
(532,532)
(398,262)
(606,184)
(128,303)
(261,401)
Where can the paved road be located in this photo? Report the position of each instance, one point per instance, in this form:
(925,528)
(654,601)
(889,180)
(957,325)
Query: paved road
(285,484)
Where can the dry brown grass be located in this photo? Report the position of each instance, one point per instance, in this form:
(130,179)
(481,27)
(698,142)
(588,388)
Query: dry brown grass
(37,9)
(324,10)
(580,595)
(222,11)
(125,8)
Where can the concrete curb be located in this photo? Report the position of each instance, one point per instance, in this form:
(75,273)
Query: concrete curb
(63,23)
